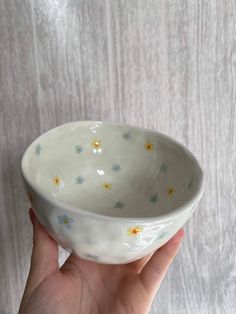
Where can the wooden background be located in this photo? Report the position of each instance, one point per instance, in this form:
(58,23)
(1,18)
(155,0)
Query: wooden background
(166,65)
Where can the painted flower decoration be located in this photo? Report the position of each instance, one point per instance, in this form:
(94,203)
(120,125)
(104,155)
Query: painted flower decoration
(134,231)
(116,167)
(56,180)
(38,149)
(119,204)
(162,235)
(126,135)
(163,168)
(149,146)
(65,221)
(79,149)
(96,144)
(154,198)
(107,186)
(79,180)
(170,191)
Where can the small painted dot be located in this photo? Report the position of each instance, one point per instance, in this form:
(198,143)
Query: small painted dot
(56,180)
(170,191)
(107,186)
(149,146)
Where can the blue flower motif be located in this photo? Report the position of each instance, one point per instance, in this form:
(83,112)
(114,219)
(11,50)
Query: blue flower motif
(162,235)
(38,149)
(163,168)
(119,204)
(79,180)
(79,149)
(65,221)
(116,167)
(126,135)
(154,198)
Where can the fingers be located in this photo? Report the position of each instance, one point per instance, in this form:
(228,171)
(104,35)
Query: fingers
(44,260)
(156,268)
(138,265)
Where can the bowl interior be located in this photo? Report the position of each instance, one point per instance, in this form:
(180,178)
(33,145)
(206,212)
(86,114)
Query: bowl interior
(112,169)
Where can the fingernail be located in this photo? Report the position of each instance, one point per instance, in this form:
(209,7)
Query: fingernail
(31,215)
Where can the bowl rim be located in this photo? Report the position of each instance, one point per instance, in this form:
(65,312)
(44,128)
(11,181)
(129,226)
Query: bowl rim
(178,211)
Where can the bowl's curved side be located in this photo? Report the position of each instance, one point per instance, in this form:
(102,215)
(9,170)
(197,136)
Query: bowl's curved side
(95,238)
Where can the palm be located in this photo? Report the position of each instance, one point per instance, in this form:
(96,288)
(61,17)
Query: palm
(109,289)
(81,286)
(86,287)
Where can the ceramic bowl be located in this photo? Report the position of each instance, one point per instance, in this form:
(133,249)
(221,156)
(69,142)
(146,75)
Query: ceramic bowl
(109,192)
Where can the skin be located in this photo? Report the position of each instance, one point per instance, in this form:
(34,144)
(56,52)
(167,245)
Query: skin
(84,287)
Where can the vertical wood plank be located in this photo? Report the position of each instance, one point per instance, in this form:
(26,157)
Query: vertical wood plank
(166,65)
(19,123)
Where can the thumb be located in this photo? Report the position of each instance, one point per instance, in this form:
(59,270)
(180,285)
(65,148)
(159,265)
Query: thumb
(44,259)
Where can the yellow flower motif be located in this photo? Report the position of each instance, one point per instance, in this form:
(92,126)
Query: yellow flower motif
(107,186)
(170,191)
(96,144)
(56,180)
(149,146)
(133,231)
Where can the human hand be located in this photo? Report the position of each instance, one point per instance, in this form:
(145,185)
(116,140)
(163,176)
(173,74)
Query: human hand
(82,287)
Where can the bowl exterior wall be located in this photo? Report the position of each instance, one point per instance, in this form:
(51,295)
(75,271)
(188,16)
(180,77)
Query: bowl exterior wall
(112,241)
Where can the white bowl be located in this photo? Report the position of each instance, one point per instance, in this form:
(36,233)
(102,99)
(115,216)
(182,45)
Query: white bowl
(111,192)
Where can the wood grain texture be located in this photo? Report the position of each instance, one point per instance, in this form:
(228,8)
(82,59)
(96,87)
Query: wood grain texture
(166,65)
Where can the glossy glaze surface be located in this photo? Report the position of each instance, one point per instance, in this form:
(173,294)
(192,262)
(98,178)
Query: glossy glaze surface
(113,170)
(111,192)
